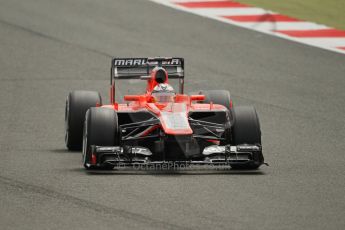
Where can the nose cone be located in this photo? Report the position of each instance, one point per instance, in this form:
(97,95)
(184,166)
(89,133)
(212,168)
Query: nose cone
(175,120)
(175,123)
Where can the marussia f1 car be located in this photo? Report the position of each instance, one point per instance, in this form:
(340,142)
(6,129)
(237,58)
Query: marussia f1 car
(161,126)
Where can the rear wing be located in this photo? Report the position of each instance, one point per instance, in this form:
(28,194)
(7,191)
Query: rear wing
(140,68)
(135,68)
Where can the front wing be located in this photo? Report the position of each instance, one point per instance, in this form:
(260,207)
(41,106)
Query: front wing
(213,155)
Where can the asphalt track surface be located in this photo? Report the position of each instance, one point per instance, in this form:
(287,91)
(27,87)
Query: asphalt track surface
(48,48)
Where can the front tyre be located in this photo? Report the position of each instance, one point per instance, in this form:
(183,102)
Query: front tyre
(101,129)
(246,130)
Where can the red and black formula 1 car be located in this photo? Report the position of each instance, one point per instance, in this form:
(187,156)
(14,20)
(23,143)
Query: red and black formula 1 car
(161,126)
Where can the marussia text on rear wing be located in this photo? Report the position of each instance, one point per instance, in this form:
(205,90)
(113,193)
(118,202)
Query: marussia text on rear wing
(134,68)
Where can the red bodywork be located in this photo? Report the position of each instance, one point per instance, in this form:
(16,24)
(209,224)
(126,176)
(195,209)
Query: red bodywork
(173,115)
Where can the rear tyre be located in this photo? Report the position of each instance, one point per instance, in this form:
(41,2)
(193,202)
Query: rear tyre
(246,130)
(77,103)
(220,97)
(101,129)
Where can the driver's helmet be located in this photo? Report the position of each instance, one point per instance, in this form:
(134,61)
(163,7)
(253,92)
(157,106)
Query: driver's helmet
(163,93)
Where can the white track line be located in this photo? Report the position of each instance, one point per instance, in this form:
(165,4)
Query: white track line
(230,11)
(282,26)
(325,42)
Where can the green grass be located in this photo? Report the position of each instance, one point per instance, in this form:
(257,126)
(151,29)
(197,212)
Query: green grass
(327,12)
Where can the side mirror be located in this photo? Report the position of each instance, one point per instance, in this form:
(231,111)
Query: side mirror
(131,98)
(197,97)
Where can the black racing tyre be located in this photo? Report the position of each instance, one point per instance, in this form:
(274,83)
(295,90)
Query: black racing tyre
(77,103)
(100,128)
(220,97)
(246,130)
